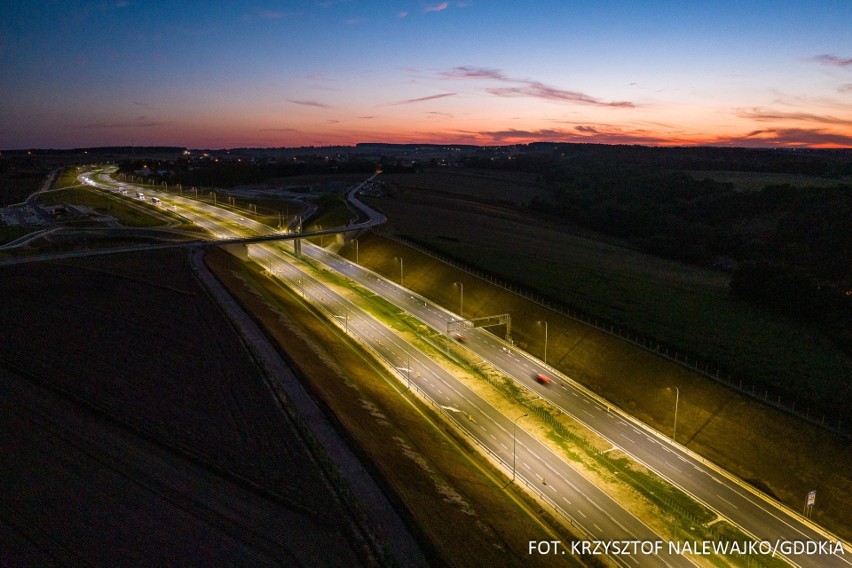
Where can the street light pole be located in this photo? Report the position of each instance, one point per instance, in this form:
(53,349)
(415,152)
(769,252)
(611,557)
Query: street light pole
(545,340)
(401,278)
(356,251)
(514,441)
(461,298)
(677,399)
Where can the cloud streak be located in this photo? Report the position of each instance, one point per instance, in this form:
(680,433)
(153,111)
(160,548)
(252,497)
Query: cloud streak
(789,137)
(315,104)
(536,90)
(529,88)
(833,60)
(468,72)
(437,7)
(766,116)
(580,133)
(141,122)
(423,99)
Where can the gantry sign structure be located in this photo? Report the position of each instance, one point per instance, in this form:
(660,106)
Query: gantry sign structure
(456,325)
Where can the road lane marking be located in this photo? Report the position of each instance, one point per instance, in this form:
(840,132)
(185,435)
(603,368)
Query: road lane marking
(726,501)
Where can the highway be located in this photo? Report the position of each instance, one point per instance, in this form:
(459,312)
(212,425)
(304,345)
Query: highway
(761,518)
(589,507)
(539,468)
(595,514)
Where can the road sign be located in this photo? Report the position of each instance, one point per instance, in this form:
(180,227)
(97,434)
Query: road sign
(811,498)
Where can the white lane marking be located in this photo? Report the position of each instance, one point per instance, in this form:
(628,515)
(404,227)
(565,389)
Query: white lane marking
(726,501)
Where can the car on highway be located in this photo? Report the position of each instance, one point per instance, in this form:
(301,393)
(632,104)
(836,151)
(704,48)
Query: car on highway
(543,379)
(460,338)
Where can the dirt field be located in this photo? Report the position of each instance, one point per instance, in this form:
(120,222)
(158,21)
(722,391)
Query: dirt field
(136,430)
(748,438)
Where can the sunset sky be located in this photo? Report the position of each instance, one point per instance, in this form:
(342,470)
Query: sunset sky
(489,72)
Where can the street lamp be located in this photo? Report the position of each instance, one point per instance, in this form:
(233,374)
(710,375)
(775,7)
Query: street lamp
(545,340)
(401,280)
(356,251)
(461,298)
(514,441)
(677,399)
(345,318)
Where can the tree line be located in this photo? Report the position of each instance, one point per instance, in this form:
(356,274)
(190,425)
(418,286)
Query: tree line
(789,248)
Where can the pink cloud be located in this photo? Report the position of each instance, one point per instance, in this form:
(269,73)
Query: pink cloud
(766,116)
(422,99)
(529,88)
(833,60)
(580,133)
(436,7)
(789,137)
(537,90)
(309,103)
(468,72)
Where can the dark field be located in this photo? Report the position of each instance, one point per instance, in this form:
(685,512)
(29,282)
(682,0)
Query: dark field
(137,430)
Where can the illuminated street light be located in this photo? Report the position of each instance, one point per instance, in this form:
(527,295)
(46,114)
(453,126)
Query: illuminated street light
(461,298)
(345,318)
(545,340)
(514,441)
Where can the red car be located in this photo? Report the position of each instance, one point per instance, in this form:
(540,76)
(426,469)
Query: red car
(543,379)
(461,338)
